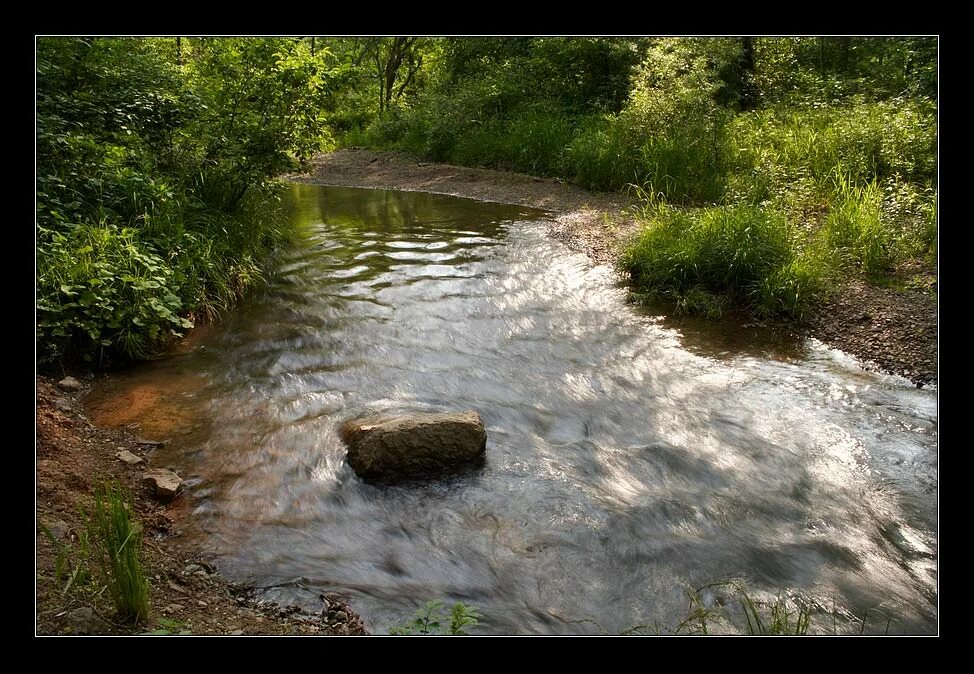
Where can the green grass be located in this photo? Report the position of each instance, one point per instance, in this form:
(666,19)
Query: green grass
(855,229)
(707,259)
(780,617)
(115,541)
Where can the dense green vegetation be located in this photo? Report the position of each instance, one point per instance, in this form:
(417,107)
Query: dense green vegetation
(769,165)
(154,205)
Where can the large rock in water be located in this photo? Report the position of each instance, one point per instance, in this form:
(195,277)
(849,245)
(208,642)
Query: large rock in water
(392,449)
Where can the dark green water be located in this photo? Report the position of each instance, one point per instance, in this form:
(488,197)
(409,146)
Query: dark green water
(627,462)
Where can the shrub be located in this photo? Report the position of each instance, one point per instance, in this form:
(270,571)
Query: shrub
(100,288)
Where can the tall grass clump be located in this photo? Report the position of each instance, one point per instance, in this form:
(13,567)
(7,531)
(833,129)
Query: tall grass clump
(115,542)
(599,155)
(854,227)
(707,259)
(531,141)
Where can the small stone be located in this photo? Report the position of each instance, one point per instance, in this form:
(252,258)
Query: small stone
(237,633)
(84,621)
(190,569)
(202,603)
(172,608)
(69,384)
(63,404)
(177,588)
(164,483)
(128,457)
(59,530)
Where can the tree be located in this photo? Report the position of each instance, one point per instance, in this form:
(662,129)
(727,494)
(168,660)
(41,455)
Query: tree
(396,60)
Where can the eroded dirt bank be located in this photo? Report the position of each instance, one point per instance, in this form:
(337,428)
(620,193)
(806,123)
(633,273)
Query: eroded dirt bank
(895,330)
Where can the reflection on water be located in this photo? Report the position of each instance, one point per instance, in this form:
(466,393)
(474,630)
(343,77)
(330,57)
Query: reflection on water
(622,467)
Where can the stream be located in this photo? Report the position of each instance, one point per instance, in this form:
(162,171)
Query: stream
(630,459)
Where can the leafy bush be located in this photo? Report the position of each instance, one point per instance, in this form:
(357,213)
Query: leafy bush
(99,288)
(153,201)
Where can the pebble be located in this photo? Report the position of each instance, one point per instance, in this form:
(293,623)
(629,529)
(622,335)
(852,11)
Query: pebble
(84,621)
(128,457)
(59,529)
(69,384)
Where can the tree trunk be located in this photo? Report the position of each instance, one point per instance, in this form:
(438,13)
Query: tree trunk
(749,93)
(845,46)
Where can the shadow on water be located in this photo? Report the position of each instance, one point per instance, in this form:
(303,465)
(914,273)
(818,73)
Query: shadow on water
(629,459)
(730,337)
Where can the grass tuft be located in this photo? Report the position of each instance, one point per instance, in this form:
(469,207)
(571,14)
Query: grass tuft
(116,544)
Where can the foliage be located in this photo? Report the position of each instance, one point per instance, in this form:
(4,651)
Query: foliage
(153,201)
(154,155)
(431,619)
(834,140)
(742,254)
(115,542)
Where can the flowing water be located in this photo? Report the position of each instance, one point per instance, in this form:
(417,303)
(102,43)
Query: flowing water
(628,460)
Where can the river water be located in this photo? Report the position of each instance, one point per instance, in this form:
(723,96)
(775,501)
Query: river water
(629,459)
